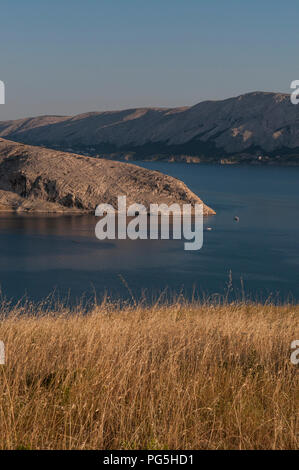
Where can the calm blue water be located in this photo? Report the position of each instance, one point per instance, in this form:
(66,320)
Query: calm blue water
(40,254)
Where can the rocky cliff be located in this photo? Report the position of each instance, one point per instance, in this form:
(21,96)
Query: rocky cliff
(39,179)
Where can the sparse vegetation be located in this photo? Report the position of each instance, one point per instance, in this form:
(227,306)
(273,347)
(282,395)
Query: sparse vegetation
(175,376)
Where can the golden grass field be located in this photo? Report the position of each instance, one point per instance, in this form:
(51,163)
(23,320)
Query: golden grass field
(172,376)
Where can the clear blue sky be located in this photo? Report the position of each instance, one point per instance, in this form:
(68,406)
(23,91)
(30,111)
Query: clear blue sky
(73,56)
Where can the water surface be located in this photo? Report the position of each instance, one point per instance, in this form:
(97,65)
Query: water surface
(41,253)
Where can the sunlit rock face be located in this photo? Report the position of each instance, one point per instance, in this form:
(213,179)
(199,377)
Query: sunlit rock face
(38,179)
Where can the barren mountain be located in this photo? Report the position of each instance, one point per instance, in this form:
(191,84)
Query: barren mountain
(39,179)
(256,127)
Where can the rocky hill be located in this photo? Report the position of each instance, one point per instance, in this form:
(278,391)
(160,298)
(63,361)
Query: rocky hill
(39,179)
(256,127)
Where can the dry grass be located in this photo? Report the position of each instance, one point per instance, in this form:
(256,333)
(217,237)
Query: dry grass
(181,376)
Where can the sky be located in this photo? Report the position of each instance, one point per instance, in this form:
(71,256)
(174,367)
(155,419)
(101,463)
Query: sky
(73,56)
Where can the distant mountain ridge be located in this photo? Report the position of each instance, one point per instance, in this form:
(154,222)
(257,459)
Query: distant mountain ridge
(257,127)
